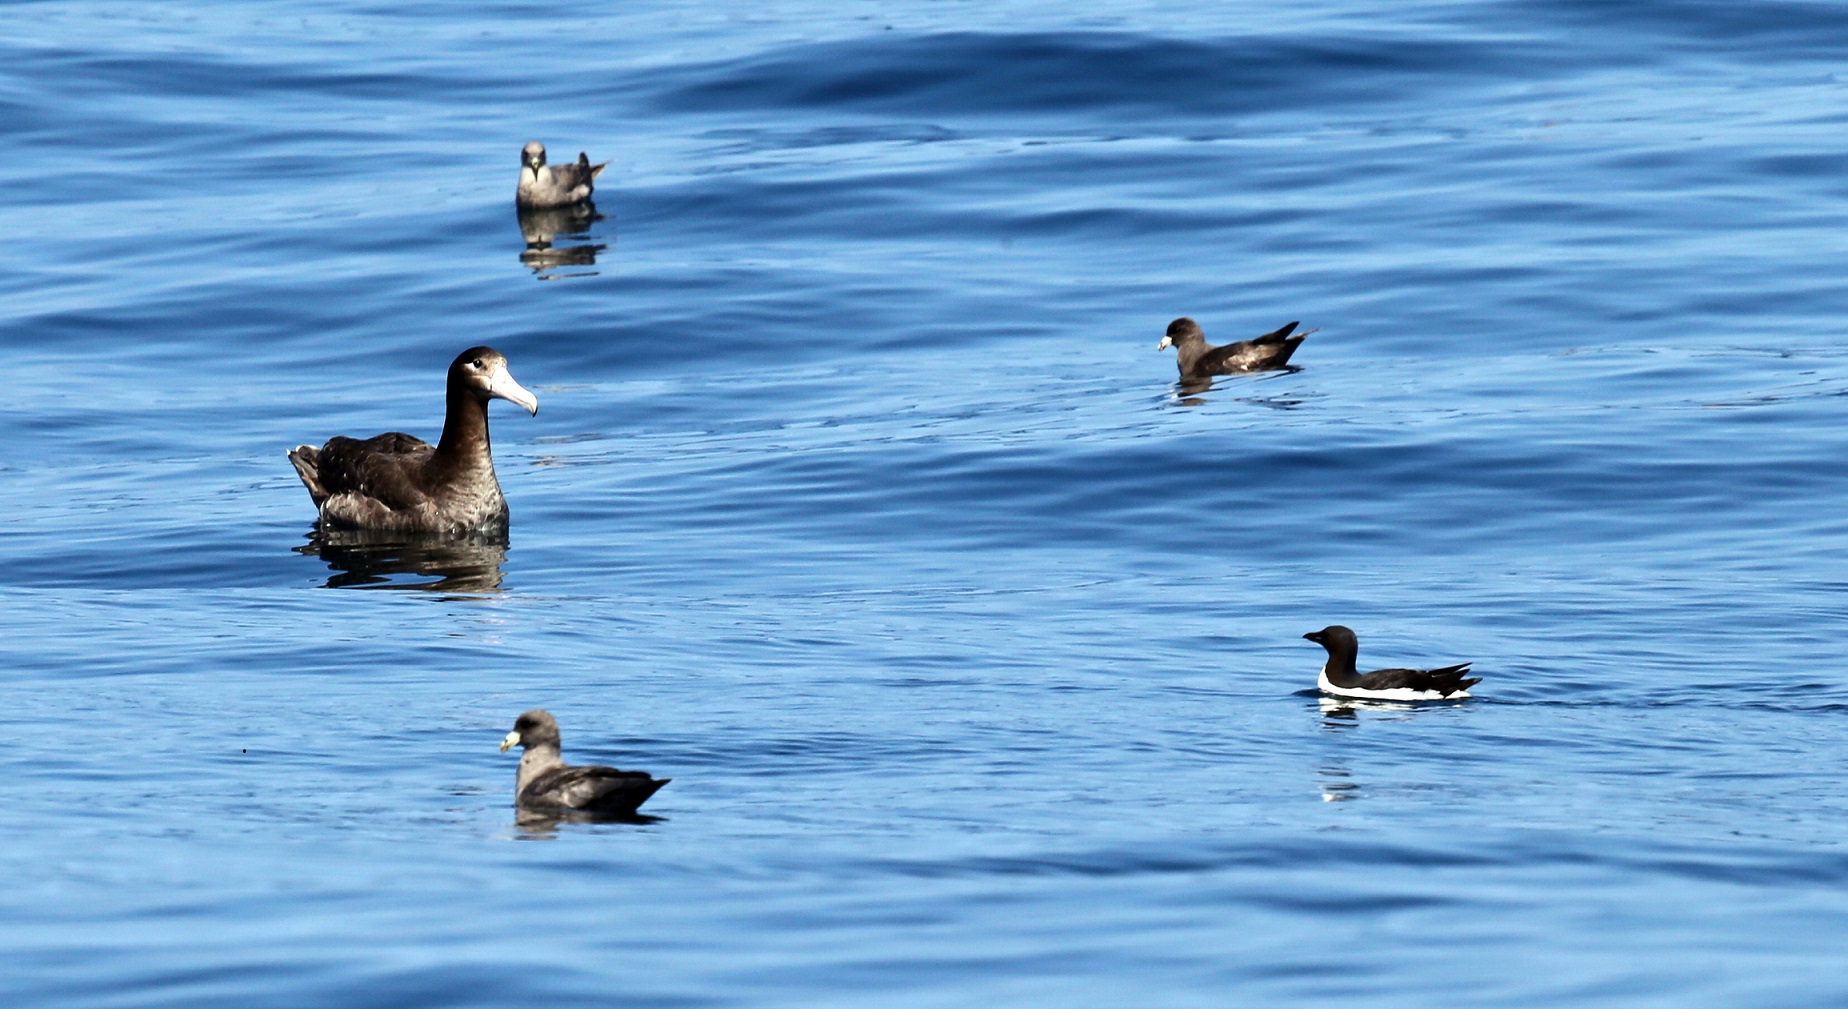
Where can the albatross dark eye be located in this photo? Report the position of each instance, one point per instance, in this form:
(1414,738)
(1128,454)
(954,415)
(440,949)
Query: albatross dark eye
(475,364)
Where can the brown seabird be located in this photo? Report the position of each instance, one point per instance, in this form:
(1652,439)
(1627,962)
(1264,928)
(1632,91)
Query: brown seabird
(398,483)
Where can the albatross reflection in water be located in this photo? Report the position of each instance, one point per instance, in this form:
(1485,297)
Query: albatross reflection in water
(541,228)
(369,559)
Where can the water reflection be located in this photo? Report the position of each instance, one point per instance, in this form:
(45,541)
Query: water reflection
(542,228)
(1338,784)
(1188,390)
(1341,712)
(1338,712)
(537,825)
(366,559)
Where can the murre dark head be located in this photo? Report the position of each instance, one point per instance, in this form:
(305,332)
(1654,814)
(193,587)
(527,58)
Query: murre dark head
(1328,636)
(533,155)
(1341,643)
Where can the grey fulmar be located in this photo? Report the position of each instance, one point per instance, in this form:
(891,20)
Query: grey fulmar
(543,185)
(545,783)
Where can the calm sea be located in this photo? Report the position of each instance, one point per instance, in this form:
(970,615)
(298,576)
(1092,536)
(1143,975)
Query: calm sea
(861,504)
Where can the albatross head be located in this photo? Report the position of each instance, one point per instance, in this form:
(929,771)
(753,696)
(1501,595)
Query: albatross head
(483,370)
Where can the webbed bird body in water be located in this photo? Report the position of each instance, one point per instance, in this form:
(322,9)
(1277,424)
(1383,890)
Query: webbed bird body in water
(400,483)
(545,783)
(1340,678)
(1199,361)
(547,185)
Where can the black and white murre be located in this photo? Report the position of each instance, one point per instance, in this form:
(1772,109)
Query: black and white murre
(1199,360)
(398,483)
(1339,678)
(546,783)
(543,185)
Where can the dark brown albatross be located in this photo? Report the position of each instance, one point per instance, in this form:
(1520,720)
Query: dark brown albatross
(546,783)
(1200,361)
(397,483)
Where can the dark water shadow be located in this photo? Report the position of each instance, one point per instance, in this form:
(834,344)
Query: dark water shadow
(542,229)
(364,559)
(1188,391)
(542,825)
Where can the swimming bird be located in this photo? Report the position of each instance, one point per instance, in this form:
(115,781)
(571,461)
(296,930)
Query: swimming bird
(543,185)
(1199,360)
(1447,683)
(545,781)
(397,483)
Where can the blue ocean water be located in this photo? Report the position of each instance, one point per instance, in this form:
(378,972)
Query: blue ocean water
(860,504)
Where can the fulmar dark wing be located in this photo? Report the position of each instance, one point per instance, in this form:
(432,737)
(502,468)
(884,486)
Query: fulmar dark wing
(566,177)
(1272,350)
(604,789)
(1277,335)
(570,176)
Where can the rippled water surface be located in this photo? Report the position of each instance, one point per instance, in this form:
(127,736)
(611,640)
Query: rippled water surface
(861,504)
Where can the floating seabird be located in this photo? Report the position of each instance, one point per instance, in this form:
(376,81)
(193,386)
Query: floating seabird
(398,483)
(546,782)
(1199,360)
(1339,678)
(543,185)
